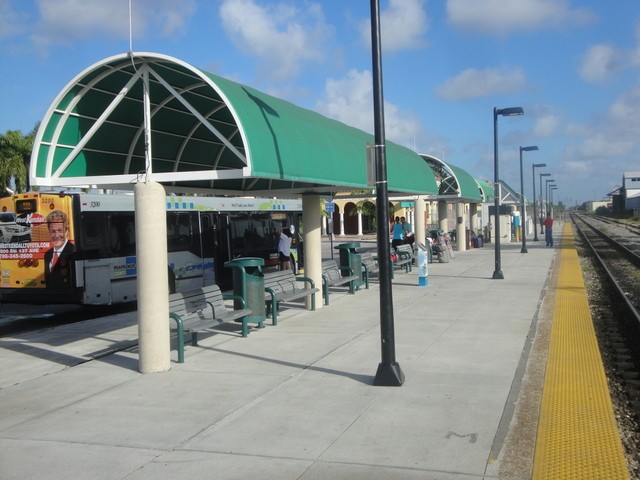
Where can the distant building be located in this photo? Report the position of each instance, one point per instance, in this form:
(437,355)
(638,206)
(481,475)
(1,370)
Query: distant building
(617,201)
(631,189)
(592,206)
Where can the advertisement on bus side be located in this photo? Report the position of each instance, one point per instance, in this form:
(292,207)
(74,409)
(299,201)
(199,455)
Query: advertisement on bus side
(37,243)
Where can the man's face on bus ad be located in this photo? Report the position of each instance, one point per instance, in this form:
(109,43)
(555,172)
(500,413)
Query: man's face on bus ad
(58,234)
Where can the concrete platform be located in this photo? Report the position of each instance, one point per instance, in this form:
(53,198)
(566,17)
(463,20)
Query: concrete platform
(294,401)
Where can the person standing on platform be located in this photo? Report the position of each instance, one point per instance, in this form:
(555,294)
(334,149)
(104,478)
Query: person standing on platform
(548,230)
(398,234)
(284,248)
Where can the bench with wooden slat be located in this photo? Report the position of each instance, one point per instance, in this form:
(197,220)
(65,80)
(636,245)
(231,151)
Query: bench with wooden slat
(284,286)
(203,308)
(332,277)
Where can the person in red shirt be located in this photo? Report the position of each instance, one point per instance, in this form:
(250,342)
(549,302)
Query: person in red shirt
(548,230)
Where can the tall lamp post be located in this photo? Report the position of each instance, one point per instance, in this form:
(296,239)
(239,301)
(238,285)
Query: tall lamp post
(389,372)
(523,217)
(551,189)
(547,182)
(535,214)
(505,112)
(552,183)
(542,214)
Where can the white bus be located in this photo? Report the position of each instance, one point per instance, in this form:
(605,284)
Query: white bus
(98,265)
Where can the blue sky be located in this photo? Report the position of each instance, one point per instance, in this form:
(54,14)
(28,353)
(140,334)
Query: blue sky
(574,66)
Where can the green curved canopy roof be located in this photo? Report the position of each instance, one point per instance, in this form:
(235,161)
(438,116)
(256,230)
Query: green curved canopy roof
(486,190)
(206,134)
(453,181)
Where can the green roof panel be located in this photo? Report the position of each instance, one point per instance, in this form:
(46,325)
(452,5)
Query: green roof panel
(206,131)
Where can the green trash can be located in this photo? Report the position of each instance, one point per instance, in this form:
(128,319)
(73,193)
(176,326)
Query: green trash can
(349,257)
(248,282)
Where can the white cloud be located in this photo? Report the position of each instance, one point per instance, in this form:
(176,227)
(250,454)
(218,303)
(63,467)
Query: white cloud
(10,20)
(66,21)
(601,62)
(350,101)
(404,25)
(280,35)
(474,83)
(503,17)
(608,145)
(547,122)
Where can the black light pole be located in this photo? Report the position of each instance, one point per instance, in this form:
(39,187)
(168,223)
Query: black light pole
(551,189)
(542,214)
(523,217)
(547,182)
(505,112)
(535,214)
(389,372)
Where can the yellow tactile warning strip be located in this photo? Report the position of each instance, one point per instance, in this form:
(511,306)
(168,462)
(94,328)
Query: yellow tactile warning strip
(577,436)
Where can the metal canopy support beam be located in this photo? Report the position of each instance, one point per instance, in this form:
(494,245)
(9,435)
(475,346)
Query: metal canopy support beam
(199,116)
(94,128)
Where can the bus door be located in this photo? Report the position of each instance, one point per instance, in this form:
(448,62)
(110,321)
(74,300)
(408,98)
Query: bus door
(209,246)
(222,251)
(95,263)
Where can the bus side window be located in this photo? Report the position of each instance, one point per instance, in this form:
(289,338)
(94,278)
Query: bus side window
(209,239)
(179,232)
(93,237)
(122,235)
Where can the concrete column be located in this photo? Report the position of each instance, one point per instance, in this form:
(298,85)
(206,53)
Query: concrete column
(419,225)
(359,223)
(443,223)
(342,234)
(153,279)
(473,218)
(311,217)
(461,237)
(324,225)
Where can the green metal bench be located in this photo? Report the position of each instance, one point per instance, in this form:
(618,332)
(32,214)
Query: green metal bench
(203,308)
(369,267)
(332,277)
(405,256)
(284,286)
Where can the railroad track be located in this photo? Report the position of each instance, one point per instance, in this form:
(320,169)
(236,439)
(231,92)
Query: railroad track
(614,293)
(618,329)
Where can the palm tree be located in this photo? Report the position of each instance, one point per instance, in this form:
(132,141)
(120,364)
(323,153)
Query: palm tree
(15,152)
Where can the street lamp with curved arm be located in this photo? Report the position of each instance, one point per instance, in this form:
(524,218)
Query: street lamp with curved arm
(523,217)
(504,112)
(552,186)
(547,182)
(535,214)
(541,197)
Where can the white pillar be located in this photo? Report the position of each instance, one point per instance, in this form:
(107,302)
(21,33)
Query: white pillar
(419,225)
(461,236)
(324,225)
(359,223)
(153,279)
(443,222)
(311,218)
(342,234)
(473,218)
